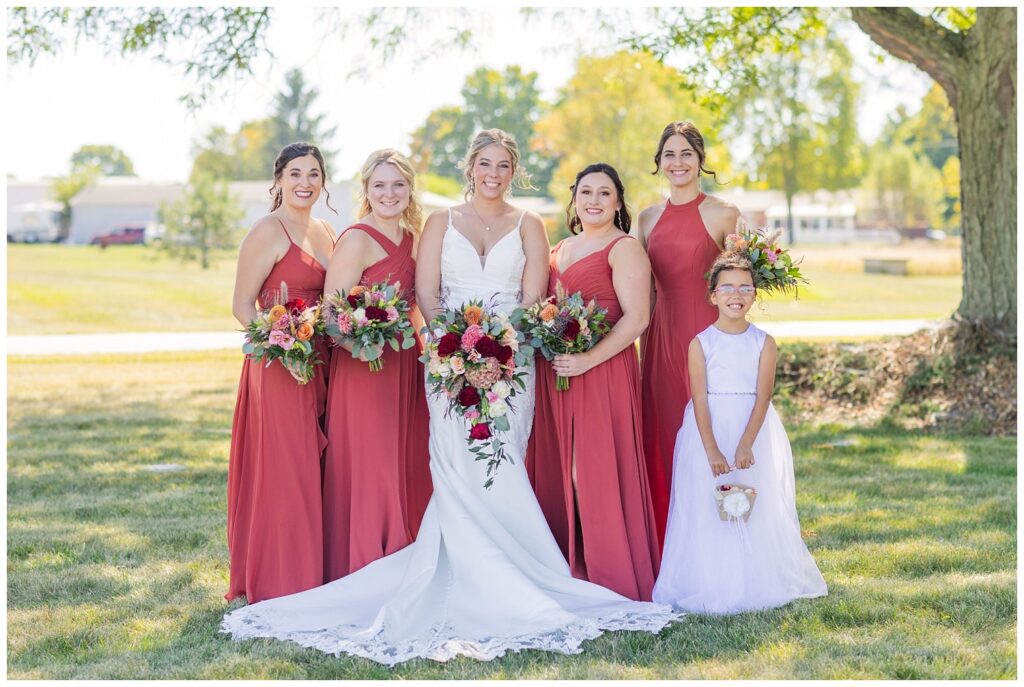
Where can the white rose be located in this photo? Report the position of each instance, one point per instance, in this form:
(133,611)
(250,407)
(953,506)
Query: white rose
(359,315)
(497,409)
(502,389)
(434,365)
(444,370)
(736,504)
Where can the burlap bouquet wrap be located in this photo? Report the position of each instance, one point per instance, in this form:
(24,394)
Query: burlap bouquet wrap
(735,501)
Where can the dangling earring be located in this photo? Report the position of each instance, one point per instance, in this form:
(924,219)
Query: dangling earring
(618,215)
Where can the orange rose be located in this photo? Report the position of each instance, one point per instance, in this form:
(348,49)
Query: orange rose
(304,332)
(277,312)
(357,290)
(473,314)
(548,312)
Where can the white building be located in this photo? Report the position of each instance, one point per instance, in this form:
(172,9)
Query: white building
(118,201)
(819,217)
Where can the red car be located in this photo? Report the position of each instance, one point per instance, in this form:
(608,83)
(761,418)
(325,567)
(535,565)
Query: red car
(120,236)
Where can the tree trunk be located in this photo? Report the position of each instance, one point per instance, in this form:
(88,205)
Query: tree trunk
(986,113)
(977,69)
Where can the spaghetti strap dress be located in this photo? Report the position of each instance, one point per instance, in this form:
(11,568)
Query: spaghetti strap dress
(274,528)
(605,523)
(681,252)
(377,465)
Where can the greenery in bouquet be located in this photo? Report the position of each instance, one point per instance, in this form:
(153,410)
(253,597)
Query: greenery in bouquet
(472,357)
(285,332)
(562,323)
(370,317)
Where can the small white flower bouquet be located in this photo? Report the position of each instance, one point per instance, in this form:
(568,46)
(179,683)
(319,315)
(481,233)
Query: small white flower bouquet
(735,501)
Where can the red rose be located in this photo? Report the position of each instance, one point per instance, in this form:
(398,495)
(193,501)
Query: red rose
(353,301)
(572,329)
(469,396)
(295,304)
(480,432)
(504,354)
(448,344)
(487,347)
(376,314)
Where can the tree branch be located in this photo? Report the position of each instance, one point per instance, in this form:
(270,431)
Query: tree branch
(918,39)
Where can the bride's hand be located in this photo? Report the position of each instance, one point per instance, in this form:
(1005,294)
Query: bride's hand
(571,364)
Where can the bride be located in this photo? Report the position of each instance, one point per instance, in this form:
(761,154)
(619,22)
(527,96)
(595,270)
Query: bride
(484,575)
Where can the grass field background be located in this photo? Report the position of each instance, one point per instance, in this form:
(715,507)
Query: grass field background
(114,571)
(56,289)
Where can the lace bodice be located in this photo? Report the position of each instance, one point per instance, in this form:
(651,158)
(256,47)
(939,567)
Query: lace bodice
(731,359)
(466,276)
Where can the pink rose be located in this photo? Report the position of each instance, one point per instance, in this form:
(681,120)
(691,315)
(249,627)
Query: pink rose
(492,397)
(392,313)
(282,339)
(771,257)
(472,414)
(457,364)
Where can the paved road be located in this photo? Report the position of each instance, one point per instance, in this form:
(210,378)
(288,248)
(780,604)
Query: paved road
(148,342)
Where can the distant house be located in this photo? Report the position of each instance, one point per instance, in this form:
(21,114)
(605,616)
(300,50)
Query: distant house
(118,201)
(819,217)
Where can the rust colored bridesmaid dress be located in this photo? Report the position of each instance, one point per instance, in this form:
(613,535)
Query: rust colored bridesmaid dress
(681,252)
(605,526)
(376,469)
(275,538)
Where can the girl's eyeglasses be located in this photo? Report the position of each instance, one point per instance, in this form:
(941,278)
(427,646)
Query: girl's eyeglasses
(728,290)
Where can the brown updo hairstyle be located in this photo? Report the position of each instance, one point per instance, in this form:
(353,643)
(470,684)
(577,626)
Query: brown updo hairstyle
(729,260)
(690,132)
(480,141)
(289,153)
(622,219)
(412,217)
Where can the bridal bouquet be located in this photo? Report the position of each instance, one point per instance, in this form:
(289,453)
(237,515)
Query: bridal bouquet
(774,269)
(562,324)
(471,356)
(370,317)
(285,332)
(735,501)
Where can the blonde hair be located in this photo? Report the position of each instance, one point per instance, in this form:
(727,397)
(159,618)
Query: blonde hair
(483,139)
(412,216)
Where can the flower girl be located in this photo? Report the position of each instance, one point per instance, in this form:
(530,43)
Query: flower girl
(733,538)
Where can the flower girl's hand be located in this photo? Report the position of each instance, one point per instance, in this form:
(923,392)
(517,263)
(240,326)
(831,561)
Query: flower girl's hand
(744,457)
(719,465)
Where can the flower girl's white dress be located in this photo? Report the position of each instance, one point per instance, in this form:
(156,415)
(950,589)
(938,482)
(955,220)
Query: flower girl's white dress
(713,566)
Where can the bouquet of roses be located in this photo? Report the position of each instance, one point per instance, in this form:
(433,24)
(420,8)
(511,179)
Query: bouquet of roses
(562,324)
(774,269)
(472,356)
(370,317)
(735,501)
(285,332)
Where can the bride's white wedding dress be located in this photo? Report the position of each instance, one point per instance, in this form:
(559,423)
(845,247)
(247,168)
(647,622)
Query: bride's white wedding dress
(485,575)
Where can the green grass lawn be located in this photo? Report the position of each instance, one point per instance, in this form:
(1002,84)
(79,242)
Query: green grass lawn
(117,572)
(54,289)
(82,289)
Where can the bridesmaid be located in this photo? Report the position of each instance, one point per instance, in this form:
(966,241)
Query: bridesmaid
(376,474)
(683,236)
(586,459)
(274,514)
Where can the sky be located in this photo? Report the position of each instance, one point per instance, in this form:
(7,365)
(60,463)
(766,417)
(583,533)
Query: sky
(86,97)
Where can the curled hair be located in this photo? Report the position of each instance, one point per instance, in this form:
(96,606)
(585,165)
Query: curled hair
(692,135)
(484,138)
(622,220)
(289,153)
(729,260)
(412,216)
